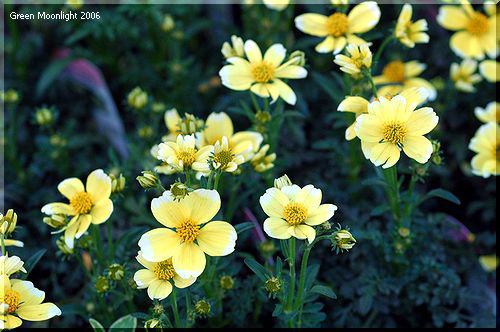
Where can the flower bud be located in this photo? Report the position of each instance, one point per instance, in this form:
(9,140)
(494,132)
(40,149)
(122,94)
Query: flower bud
(202,308)
(267,248)
(404,232)
(9,96)
(137,98)
(273,286)
(44,116)
(168,23)
(148,180)
(261,162)
(116,271)
(8,222)
(226,282)
(61,245)
(158,107)
(55,221)
(145,132)
(190,124)
(326,226)
(153,323)
(117,183)
(158,309)
(263,117)
(235,49)
(282,181)
(342,239)
(299,58)
(179,190)
(102,284)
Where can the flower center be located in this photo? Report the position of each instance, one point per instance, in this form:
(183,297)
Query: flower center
(337,24)
(394,71)
(81,202)
(223,157)
(262,72)
(188,157)
(13,299)
(188,231)
(478,24)
(394,132)
(164,270)
(295,213)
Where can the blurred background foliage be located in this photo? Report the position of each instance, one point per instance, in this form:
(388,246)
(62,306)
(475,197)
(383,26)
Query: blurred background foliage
(436,280)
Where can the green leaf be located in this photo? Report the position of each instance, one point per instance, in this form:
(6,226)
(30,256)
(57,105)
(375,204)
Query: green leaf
(365,303)
(324,290)
(96,325)
(259,270)
(379,210)
(33,260)
(444,194)
(50,74)
(126,323)
(244,226)
(329,85)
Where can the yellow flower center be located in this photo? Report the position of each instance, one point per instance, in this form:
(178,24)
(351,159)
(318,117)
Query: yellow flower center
(295,213)
(188,157)
(337,24)
(224,157)
(394,71)
(262,72)
(478,24)
(81,202)
(13,299)
(394,132)
(164,270)
(188,231)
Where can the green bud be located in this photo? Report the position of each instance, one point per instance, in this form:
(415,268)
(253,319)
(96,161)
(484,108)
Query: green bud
(202,308)
(168,23)
(273,286)
(137,98)
(102,284)
(116,271)
(117,183)
(342,239)
(61,245)
(44,116)
(148,180)
(282,181)
(55,221)
(226,282)
(299,58)
(190,124)
(263,117)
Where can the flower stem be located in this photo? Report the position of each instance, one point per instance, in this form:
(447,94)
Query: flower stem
(381,48)
(303,268)
(254,101)
(3,245)
(391,177)
(218,175)
(173,300)
(110,241)
(291,263)
(96,237)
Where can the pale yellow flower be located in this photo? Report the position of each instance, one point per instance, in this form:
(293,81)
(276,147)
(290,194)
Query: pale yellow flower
(394,125)
(339,28)
(485,143)
(489,69)
(464,76)
(262,75)
(278,5)
(359,58)
(158,277)
(476,34)
(189,234)
(87,204)
(261,162)
(490,114)
(293,211)
(11,265)
(404,75)
(409,33)
(233,49)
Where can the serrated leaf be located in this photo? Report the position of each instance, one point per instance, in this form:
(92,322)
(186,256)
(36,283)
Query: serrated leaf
(324,290)
(258,269)
(244,226)
(96,325)
(126,323)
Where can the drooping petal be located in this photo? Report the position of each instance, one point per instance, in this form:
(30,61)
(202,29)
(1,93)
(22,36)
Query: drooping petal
(183,283)
(385,154)
(144,262)
(159,244)
(189,261)
(70,187)
(323,213)
(217,238)
(69,233)
(58,208)
(84,222)
(98,185)
(159,289)
(101,211)
(277,228)
(273,202)
(38,312)
(286,92)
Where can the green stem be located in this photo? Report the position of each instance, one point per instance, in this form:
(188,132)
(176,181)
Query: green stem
(372,85)
(173,300)
(254,101)
(210,180)
(391,177)
(96,237)
(411,187)
(3,245)
(303,268)
(188,178)
(218,175)
(188,307)
(291,263)
(381,49)
(110,241)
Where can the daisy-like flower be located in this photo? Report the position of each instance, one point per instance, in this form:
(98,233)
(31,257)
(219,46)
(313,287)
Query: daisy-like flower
(405,76)
(395,124)
(489,114)
(189,233)
(11,265)
(339,28)
(262,75)
(360,57)
(293,211)
(261,162)
(464,76)
(158,277)
(233,49)
(219,125)
(87,204)
(224,158)
(485,143)
(278,5)
(408,32)
(183,154)
(20,300)
(476,34)
(489,69)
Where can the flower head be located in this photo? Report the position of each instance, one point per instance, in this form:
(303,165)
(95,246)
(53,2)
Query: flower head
(8,222)
(262,75)
(189,233)
(262,162)
(87,204)
(159,277)
(395,124)
(233,49)
(489,114)
(293,211)
(409,33)
(489,69)
(202,308)
(10,265)
(360,58)
(464,76)
(485,143)
(339,28)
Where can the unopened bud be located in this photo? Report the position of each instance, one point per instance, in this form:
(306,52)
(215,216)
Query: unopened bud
(273,286)
(299,58)
(137,98)
(117,183)
(190,124)
(263,117)
(44,116)
(168,23)
(116,271)
(55,221)
(202,308)
(148,180)
(8,222)
(226,282)
(102,284)
(342,239)
(282,181)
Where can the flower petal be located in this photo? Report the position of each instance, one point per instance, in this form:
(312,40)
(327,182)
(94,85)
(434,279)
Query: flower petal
(363,17)
(101,211)
(30,294)
(159,244)
(277,228)
(326,46)
(275,55)
(418,148)
(84,224)
(452,18)
(98,185)
(323,213)
(273,202)
(189,261)
(159,289)
(303,232)
(310,197)
(167,211)
(202,205)
(70,187)
(312,24)
(422,121)
(217,126)
(217,238)
(183,283)
(38,312)
(252,51)
(143,278)
(58,208)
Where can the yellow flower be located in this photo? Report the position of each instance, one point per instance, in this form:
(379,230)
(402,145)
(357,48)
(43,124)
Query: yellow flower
(20,300)
(489,70)
(463,75)
(276,4)
(184,155)
(89,204)
(262,75)
(236,49)
(189,234)
(339,28)
(490,114)
(158,277)
(8,222)
(489,262)
(485,143)
(224,158)
(409,33)
(261,162)
(395,124)
(360,57)
(220,124)
(293,211)
(476,34)
(404,75)
(10,265)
